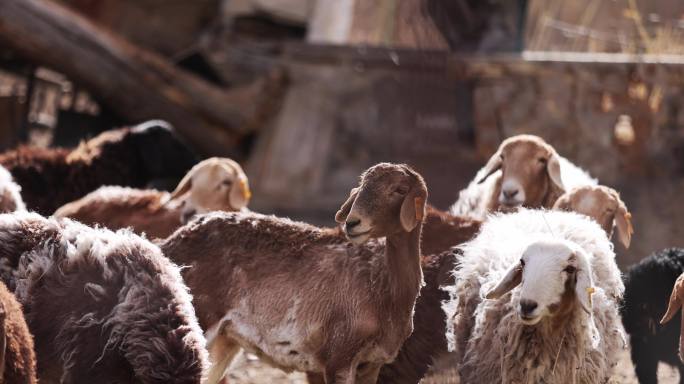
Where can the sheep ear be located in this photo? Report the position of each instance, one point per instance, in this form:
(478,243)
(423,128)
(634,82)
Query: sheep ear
(184,185)
(675,303)
(240,193)
(623,219)
(554,170)
(412,211)
(511,280)
(343,212)
(493,165)
(584,287)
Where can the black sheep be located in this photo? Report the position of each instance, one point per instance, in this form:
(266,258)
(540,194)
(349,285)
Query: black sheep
(647,290)
(133,157)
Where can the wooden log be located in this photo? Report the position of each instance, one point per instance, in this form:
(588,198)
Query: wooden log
(133,82)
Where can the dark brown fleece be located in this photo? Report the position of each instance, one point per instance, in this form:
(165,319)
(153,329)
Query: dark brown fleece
(103,307)
(20,360)
(50,178)
(442,230)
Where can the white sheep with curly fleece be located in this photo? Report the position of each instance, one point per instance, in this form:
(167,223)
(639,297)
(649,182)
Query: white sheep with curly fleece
(535,300)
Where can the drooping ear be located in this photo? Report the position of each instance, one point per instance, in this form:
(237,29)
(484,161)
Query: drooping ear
(343,212)
(553,168)
(493,165)
(672,307)
(240,192)
(623,219)
(412,210)
(511,280)
(584,287)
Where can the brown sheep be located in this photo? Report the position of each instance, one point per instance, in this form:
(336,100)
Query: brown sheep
(104,307)
(603,204)
(17,359)
(132,157)
(524,171)
(213,184)
(303,298)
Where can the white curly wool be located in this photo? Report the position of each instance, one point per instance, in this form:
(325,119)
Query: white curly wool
(492,345)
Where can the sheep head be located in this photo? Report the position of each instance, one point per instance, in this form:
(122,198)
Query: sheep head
(215,184)
(553,275)
(529,169)
(389,199)
(602,204)
(676,298)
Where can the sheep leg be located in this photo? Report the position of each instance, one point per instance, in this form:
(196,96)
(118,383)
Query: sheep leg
(345,375)
(645,363)
(222,350)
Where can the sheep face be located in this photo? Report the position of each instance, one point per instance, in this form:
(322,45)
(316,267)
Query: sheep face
(602,204)
(216,184)
(553,275)
(390,199)
(529,166)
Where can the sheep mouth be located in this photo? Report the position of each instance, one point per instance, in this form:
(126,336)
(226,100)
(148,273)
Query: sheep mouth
(529,320)
(358,238)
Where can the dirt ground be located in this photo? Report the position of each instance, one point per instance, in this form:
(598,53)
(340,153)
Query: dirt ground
(249,370)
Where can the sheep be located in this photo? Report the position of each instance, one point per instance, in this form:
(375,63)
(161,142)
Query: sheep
(213,184)
(524,171)
(603,204)
(303,298)
(535,299)
(441,230)
(104,307)
(648,286)
(10,193)
(133,157)
(17,358)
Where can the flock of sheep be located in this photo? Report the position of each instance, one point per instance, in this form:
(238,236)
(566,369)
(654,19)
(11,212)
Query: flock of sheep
(517,283)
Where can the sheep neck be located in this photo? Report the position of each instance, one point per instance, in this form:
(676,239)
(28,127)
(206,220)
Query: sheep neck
(402,258)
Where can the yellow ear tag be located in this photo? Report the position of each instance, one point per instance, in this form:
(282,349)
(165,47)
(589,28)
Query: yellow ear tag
(590,291)
(245,189)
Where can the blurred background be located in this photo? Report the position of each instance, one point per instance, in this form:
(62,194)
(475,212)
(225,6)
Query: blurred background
(308,93)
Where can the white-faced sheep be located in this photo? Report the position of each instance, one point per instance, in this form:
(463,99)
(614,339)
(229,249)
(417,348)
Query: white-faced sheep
(213,184)
(132,157)
(524,171)
(103,307)
(303,298)
(603,204)
(10,193)
(535,299)
(17,359)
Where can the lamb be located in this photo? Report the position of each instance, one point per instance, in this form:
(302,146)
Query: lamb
(213,184)
(133,157)
(603,204)
(524,171)
(648,286)
(10,193)
(17,359)
(104,307)
(535,299)
(303,298)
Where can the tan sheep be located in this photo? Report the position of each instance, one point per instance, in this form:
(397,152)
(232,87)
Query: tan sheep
(524,171)
(603,204)
(213,184)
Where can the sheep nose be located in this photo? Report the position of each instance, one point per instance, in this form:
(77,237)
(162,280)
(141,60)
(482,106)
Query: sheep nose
(510,193)
(350,224)
(527,306)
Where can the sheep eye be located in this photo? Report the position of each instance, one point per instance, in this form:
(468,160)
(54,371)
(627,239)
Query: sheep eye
(522,262)
(570,269)
(227,183)
(543,160)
